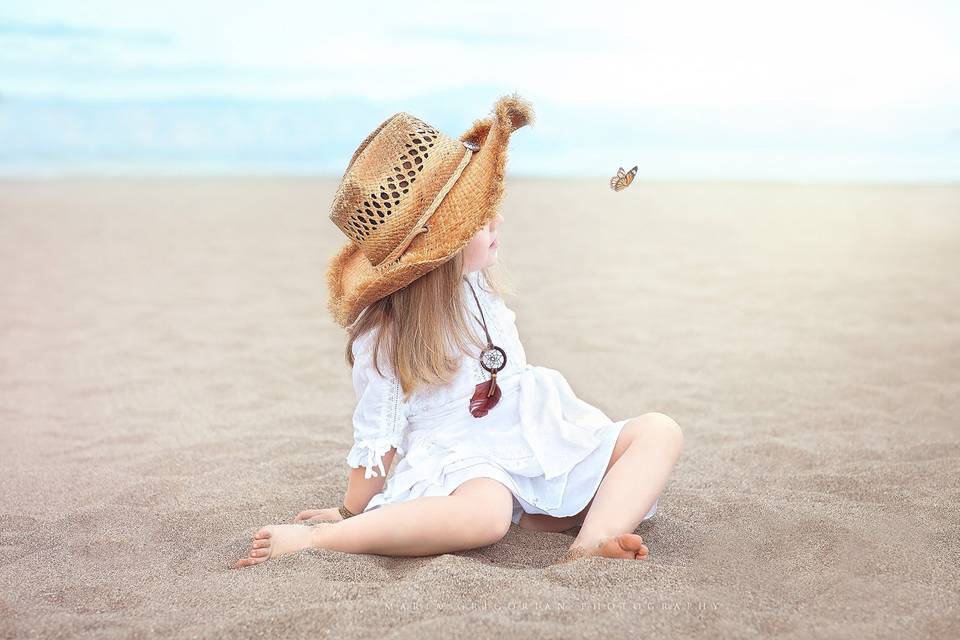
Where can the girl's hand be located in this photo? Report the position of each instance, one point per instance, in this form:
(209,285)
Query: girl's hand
(318,515)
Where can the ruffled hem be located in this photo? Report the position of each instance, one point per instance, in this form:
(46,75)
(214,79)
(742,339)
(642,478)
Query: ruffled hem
(445,481)
(369,453)
(432,469)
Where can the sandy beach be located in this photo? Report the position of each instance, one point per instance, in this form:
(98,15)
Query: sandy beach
(171,381)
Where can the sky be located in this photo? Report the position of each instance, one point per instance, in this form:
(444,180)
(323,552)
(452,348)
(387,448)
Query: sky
(841,90)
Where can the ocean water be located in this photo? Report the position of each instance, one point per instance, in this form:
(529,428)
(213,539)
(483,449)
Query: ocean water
(51,137)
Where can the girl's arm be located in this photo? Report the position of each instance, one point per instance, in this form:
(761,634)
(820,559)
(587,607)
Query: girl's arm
(379,421)
(361,489)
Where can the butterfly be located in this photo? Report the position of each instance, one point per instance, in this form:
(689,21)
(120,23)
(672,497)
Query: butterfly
(623,179)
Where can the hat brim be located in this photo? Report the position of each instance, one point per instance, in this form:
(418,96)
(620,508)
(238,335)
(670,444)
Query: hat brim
(353,283)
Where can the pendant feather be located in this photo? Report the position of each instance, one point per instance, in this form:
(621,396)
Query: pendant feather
(484,398)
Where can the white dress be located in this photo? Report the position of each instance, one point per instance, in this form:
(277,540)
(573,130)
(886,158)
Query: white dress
(549,447)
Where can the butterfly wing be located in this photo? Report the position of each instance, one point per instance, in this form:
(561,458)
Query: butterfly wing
(616,182)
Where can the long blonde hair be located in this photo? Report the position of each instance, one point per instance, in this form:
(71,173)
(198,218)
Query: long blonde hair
(424,326)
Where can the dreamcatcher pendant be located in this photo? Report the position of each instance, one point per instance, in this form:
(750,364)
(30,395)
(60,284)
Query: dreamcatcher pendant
(487,394)
(493,359)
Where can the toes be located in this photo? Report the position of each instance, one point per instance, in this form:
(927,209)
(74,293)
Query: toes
(255,556)
(246,562)
(257,544)
(263,533)
(630,542)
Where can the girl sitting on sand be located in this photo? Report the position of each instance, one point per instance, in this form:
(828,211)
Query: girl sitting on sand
(484,438)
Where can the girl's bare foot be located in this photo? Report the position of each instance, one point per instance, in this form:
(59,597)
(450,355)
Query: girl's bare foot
(628,546)
(277,539)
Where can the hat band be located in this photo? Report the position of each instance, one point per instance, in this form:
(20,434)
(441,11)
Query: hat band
(421,226)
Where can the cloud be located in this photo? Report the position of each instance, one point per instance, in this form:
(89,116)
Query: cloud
(66,31)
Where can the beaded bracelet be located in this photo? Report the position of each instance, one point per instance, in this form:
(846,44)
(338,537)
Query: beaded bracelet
(345,513)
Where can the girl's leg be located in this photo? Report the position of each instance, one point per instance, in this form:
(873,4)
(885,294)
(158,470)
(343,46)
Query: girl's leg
(475,514)
(542,522)
(478,513)
(636,475)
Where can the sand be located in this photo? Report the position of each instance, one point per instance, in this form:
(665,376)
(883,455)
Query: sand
(170,381)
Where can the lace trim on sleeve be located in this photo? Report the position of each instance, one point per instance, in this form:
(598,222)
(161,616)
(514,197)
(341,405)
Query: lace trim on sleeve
(369,451)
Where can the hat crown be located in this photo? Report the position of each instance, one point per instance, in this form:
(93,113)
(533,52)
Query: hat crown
(392,177)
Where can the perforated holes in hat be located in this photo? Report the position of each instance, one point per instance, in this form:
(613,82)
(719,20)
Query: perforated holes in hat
(376,209)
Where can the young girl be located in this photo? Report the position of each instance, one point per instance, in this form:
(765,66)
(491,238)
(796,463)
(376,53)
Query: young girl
(482,439)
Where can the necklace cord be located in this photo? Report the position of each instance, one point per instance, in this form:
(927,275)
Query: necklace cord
(483,321)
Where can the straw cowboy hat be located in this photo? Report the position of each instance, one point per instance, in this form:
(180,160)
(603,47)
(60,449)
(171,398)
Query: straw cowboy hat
(411,198)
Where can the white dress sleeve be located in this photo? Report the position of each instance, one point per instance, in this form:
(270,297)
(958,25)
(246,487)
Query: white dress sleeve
(380,418)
